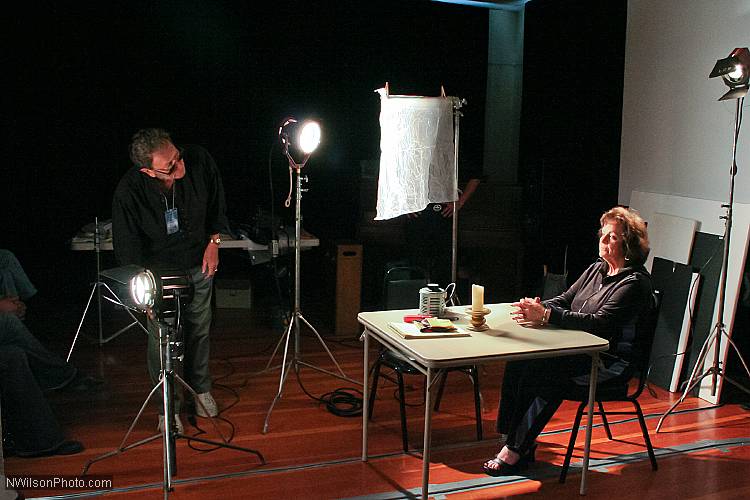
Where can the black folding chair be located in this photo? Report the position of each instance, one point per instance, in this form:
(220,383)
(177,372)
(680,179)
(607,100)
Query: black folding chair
(401,291)
(606,393)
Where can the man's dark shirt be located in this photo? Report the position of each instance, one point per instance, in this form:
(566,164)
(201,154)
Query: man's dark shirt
(138,215)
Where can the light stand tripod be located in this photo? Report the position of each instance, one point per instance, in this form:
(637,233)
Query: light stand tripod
(296,315)
(169,350)
(96,288)
(716,370)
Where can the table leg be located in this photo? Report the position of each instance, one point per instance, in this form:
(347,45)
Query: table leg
(365,395)
(590,416)
(427,434)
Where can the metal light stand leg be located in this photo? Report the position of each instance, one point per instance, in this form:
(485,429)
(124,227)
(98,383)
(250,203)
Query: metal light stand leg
(168,433)
(116,300)
(96,289)
(294,320)
(717,370)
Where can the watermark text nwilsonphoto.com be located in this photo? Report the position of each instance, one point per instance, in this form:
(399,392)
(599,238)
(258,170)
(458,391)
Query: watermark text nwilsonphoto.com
(51,482)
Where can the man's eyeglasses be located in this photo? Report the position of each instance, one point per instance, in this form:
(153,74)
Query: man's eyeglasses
(172,164)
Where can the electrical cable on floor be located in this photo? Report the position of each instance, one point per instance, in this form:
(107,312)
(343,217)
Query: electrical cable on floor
(194,421)
(342,402)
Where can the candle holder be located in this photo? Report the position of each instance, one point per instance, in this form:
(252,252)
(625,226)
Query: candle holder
(478,323)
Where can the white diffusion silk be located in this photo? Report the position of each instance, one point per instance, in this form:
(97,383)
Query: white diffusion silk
(416,154)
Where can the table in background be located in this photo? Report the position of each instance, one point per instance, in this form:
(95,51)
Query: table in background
(88,240)
(504,341)
(259,253)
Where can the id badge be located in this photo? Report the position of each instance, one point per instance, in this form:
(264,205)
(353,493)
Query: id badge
(173,224)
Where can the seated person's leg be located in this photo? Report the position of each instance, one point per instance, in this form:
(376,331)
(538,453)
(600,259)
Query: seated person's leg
(541,384)
(51,371)
(13,279)
(31,423)
(508,394)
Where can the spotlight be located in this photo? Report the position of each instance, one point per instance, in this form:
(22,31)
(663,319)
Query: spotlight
(144,290)
(735,71)
(299,139)
(153,293)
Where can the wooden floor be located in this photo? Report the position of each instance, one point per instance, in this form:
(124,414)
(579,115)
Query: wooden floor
(311,453)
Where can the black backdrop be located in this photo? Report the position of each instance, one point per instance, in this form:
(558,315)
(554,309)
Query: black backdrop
(83,76)
(569,159)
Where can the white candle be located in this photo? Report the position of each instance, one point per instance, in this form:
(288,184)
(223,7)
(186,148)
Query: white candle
(477,297)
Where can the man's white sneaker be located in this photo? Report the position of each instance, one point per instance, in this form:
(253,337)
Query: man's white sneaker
(209,403)
(178,423)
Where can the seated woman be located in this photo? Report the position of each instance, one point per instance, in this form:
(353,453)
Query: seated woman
(606,301)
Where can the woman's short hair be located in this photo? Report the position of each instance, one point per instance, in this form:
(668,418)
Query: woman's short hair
(144,143)
(634,232)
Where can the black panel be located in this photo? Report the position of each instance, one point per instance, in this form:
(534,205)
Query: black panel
(673,281)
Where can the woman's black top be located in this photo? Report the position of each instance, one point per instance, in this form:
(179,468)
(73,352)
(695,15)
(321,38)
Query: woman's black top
(607,306)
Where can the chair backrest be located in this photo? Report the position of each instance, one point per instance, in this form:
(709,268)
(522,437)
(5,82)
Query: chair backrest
(645,330)
(401,287)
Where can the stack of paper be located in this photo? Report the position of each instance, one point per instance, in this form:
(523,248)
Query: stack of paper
(414,331)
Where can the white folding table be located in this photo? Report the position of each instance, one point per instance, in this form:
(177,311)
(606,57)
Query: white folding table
(505,340)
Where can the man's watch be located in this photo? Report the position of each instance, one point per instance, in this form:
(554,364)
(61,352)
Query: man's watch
(216,241)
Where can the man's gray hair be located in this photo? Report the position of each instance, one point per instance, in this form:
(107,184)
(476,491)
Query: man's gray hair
(144,143)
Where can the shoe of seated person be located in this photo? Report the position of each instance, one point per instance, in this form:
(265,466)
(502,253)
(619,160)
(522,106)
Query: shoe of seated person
(67,447)
(497,467)
(177,421)
(209,408)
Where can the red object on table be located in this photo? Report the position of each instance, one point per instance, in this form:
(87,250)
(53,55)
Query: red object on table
(410,318)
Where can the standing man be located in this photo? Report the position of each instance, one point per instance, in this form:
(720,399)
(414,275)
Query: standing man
(167,214)
(429,235)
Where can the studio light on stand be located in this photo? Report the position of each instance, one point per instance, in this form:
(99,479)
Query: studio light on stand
(735,72)
(299,139)
(161,298)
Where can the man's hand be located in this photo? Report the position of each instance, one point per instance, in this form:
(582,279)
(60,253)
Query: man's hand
(210,260)
(448,208)
(13,305)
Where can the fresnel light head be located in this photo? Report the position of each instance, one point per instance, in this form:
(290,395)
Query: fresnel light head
(735,71)
(143,289)
(148,291)
(299,139)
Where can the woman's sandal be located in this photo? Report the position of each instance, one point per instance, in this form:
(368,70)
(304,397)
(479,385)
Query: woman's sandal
(502,469)
(505,469)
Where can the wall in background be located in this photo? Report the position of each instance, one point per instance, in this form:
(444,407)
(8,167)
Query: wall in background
(676,137)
